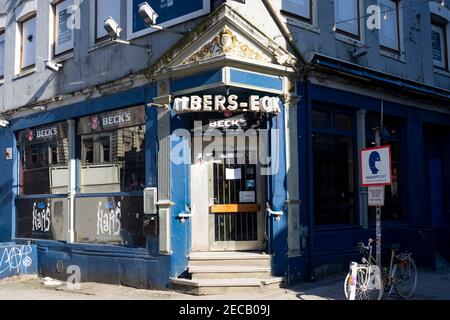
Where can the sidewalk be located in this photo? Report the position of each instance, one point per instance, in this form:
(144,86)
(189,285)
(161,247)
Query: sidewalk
(432,285)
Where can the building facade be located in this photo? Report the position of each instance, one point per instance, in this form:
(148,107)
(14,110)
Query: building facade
(226,144)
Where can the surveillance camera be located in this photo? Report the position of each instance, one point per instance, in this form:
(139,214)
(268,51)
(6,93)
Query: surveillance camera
(4,123)
(148,14)
(52,65)
(112,28)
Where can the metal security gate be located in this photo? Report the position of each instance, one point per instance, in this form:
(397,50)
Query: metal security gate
(236,222)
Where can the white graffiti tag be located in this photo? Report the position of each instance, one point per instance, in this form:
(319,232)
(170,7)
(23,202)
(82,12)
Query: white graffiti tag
(108,219)
(41,217)
(14,257)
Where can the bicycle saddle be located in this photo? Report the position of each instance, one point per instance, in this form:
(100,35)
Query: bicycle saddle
(394,246)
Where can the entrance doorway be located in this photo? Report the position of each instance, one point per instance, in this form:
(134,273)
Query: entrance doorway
(227,191)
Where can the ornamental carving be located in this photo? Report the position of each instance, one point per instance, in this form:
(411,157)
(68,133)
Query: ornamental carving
(226,43)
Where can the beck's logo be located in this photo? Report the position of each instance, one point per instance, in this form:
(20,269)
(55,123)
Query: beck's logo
(116,119)
(94,123)
(30,135)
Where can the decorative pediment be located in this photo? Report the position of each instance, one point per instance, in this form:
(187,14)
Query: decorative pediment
(228,43)
(222,38)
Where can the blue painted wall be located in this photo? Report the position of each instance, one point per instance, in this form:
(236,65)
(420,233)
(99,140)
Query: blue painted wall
(138,267)
(333,247)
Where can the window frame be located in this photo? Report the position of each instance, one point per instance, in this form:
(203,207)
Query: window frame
(2,58)
(55,35)
(442,25)
(331,130)
(98,39)
(345,32)
(399,31)
(21,23)
(308,20)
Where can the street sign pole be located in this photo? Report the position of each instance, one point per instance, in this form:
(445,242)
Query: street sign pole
(378,209)
(376,174)
(378,231)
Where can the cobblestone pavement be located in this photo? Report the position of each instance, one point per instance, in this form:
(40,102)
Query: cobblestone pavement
(432,285)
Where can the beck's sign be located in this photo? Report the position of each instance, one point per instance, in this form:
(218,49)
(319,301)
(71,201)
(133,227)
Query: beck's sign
(376,166)
(231,103)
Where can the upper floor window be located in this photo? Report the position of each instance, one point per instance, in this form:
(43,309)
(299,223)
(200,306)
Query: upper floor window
(103,10)
(300,8)
(390,25)
(27,29)
(2,53)
(439,44)
(346,17)
(64,32)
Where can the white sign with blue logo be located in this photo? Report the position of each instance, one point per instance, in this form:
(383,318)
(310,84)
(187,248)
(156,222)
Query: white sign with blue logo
(376,166)
(170,12)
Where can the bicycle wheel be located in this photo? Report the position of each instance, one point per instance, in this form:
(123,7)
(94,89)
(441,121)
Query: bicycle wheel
(404,277)
(368,284)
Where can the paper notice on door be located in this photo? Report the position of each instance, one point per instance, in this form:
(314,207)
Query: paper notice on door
(247,197)
(233,174)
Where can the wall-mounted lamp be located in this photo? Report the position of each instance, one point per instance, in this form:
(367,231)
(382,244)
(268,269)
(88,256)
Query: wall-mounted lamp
(150,16)
(4,123)
(113,29)
(52,65)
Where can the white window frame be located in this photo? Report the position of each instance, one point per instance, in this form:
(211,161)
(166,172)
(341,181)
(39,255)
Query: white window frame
(98,23)
(441,29)
(21,37)
(303,11)
(2,53)
(384,44)
(132,35)
(57,7)
(351,28)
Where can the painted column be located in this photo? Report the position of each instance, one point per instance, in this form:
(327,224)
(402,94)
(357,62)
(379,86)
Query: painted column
(164,203)
(361,144)
(8,184)
(293,191)
(278,232)
(73,179)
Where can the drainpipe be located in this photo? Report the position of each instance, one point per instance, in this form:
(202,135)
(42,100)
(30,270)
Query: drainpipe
(274,12)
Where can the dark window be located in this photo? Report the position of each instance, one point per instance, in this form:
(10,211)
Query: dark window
(113,161)
(320,119)
(391,135)
(44,159)
(334,170)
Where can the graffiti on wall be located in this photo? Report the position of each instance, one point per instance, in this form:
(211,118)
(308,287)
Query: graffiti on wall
(108,218)
(41,217)
(13,258)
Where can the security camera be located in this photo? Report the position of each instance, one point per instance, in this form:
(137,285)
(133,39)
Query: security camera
(148,14)
(112,28)
(4,123)
(52,65)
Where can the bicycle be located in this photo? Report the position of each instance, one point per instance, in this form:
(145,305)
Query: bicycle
(371,283)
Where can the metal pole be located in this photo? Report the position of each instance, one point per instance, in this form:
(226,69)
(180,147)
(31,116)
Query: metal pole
(378,231)
(378,210)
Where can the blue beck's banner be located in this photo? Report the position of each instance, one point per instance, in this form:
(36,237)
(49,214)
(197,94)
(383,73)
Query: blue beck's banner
(166,9)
